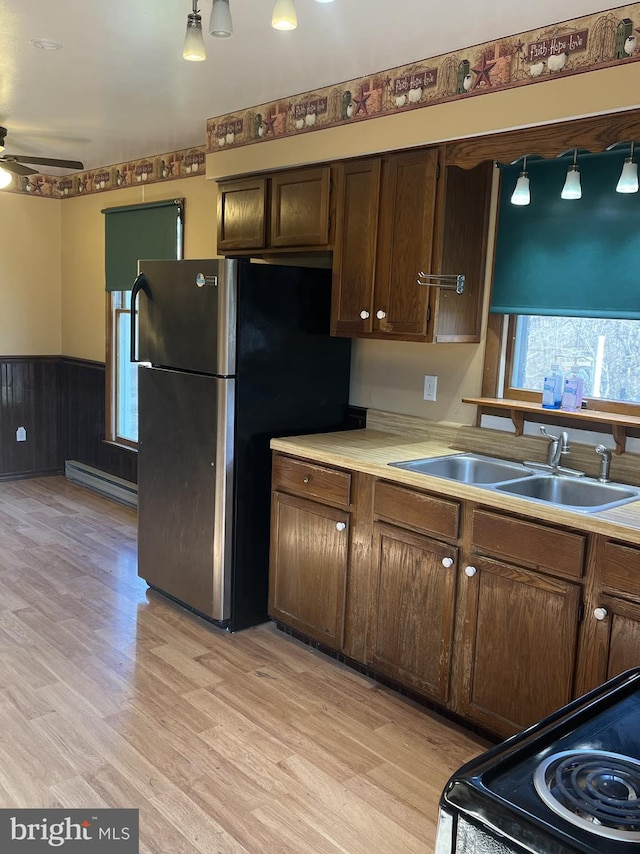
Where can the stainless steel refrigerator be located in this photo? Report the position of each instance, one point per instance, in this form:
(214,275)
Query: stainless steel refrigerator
(232,353)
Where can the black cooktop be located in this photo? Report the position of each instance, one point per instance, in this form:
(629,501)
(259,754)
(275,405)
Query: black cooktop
(498,789)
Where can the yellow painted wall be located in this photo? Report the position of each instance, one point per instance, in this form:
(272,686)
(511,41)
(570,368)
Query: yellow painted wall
(83,294)
(30,295)
(52,298)
(387,374)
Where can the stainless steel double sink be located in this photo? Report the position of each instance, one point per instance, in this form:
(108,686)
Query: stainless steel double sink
(580,494)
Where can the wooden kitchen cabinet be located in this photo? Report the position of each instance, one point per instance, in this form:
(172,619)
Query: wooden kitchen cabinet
(519,620)
(280,211)
(413,583)
(400,216)
(309,549)
(242,214)
(300,208)
(412,610)
(613,615)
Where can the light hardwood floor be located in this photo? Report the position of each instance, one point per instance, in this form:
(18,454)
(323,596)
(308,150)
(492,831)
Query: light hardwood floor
(111,696)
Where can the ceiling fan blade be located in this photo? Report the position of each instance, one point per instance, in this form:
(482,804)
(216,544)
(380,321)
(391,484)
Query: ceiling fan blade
(16,168)
(49,161)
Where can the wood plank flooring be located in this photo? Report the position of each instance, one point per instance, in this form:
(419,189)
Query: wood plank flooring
(112,696)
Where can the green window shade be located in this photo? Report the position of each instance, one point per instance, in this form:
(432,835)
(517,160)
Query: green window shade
(570,258)
(136,232)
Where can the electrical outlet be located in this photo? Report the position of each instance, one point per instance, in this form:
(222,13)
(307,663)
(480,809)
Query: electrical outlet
(21,435)
(430,386)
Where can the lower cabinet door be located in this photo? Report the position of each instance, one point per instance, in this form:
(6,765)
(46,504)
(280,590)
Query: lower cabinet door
(308,567)
(518,644)
(618,624)
(412,609)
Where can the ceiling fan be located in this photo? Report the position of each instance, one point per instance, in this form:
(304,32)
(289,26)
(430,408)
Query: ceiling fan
(14,163)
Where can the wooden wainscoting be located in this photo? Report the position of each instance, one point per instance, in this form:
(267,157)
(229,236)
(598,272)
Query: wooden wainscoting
(82,391)
(29,398)
(59,401)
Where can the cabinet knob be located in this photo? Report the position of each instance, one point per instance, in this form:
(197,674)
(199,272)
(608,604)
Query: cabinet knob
(381,314)
(470,571)
(600,613)
(447,562)
(306,479)
(364,314)
(340,526)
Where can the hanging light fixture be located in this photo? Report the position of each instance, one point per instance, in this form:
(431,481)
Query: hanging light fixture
(5,178)
(284,15)
(220,24)
(194,49)
(628,182)
(522,193)
(572,188)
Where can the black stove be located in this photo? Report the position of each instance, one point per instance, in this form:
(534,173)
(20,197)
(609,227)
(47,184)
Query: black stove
(569,784)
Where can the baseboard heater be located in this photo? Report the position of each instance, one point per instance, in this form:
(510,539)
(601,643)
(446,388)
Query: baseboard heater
(102,482)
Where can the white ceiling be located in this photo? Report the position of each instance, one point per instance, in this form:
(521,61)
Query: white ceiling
(119,88)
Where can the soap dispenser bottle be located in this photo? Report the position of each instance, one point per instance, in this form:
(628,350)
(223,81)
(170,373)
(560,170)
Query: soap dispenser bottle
(572,394)
(552,388)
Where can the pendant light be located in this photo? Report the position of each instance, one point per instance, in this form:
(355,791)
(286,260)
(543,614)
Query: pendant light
(220,24)
(572,188)
(5,178)
(284,15)
(522,193)
(628,182)
(193,42)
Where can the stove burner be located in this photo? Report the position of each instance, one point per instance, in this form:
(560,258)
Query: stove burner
(593,789)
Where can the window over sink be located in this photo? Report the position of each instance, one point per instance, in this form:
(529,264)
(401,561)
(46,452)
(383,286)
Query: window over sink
(606,352)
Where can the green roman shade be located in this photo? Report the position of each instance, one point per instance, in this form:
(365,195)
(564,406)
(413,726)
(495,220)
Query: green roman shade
(135,232)
(571,258)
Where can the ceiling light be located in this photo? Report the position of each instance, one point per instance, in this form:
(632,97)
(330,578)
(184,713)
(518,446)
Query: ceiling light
(5,178)
(324,1)
(628,182)
(220,24)
(193,42)
(45,44)
(284,15)
(572,188)
(522,194)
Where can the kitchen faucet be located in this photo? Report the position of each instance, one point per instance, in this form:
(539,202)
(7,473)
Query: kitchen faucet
(605,463)
(558,445)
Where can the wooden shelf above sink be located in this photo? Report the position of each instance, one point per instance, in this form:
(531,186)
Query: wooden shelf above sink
(521,410)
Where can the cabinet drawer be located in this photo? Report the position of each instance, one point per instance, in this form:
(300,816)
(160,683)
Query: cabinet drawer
(418,510)
(548,549)
(311,481)
(621,567)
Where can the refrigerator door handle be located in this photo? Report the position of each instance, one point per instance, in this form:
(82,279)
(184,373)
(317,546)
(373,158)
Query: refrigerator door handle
(140,284)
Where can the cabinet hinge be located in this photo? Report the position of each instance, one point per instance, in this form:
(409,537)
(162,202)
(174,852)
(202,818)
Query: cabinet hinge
(428,314)
(437,171)
(581,612)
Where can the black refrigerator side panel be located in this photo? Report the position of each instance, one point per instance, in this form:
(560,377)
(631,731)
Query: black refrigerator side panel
(176,476)
(292,378)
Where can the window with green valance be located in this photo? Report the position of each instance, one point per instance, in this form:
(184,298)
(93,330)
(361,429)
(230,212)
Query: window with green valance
(569,258)
(135,232)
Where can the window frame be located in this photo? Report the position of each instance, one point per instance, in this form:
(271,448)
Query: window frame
(504,325)
(112,316)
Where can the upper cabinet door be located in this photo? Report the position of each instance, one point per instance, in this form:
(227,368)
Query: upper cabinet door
(242,214)
(460,248)
(354,255)
(405,242)
(300,208)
